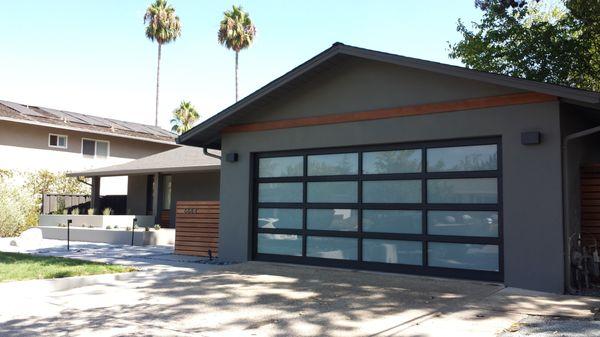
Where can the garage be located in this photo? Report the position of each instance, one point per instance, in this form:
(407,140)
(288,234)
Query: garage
(425,208)
(366,160)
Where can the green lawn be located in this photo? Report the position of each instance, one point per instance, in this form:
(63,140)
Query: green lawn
(16,267)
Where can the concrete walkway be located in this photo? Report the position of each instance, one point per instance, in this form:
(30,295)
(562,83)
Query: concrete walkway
(264,299)
(157,261)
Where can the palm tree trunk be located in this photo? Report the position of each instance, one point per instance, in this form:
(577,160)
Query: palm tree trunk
(236,75)
(157,84)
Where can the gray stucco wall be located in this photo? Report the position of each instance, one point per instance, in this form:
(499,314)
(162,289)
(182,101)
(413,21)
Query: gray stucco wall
(194,186)
(380,86)
(136,194)
(532,201)
(532,188)
(36,137)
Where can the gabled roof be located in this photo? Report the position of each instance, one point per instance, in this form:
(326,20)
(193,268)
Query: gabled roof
(66,120)
(178,160)
(207,134)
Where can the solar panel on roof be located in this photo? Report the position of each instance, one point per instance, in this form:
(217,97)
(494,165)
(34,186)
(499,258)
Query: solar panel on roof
(91,120)
(150,130)
(59,114)
(73,117)
(122,125)
(137,127)
(21,109)
(158,131)
(165,132)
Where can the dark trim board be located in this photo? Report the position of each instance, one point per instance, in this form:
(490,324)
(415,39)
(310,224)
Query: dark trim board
(359,234)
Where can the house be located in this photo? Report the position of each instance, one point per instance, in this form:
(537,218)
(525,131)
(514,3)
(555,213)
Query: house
(37,138)
(157,182)
(368,160)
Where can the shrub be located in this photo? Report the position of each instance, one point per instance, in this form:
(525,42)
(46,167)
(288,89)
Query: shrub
(91,211)
(136,226)
(75,211)
(146,229)
(115,226)
(108,227)
(127,228)
(65,212)
(107,211)
(18,210)
(157,227)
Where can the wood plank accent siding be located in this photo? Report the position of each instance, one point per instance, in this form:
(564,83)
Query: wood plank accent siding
(423,109)
(590,204)
(197,228)
(165,220)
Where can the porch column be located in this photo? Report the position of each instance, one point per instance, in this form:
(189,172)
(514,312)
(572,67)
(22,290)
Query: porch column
(95,202)
(155,198)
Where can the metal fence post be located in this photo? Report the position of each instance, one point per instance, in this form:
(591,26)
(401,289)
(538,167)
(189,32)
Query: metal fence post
(133,229)
(69,221)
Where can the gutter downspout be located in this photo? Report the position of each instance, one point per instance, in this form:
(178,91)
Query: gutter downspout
(567,203)
(206,153)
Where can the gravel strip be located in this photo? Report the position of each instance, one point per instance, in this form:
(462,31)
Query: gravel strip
(538,326)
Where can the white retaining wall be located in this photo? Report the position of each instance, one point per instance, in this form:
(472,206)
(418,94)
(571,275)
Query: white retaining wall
(97,221)
(165,236)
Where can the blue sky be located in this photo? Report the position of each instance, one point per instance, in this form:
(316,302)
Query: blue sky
(93,57)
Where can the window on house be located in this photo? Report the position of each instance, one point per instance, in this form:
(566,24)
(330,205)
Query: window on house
(95,148)
(167,187)
(58,141)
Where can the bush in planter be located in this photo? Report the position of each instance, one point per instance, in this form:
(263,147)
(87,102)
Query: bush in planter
(136,226)
(107,211)
(75,211)
(115,226)
(146,229)
(157,227)
(108,227)
(128,228)
(91,211)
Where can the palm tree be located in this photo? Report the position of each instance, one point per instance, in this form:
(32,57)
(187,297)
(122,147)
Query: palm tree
(163,27)
(184,117)
(236,32)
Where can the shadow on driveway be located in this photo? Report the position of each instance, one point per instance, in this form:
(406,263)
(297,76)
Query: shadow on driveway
(263,299)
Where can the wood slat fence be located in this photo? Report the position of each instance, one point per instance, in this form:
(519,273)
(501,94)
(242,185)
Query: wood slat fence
(53,203)
(590,204)
(197,228)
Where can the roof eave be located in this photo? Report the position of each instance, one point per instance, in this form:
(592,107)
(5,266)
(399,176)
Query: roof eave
(187,138)
(116,173)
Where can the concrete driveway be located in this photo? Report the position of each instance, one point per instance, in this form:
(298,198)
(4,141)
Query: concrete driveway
(262,299)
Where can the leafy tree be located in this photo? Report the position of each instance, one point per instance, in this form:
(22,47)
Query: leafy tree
(236,32)
(184,118)
(163,27)
(547,42)
(44,181)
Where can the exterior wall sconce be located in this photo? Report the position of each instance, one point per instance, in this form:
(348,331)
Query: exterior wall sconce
(231,157)
(531,138)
